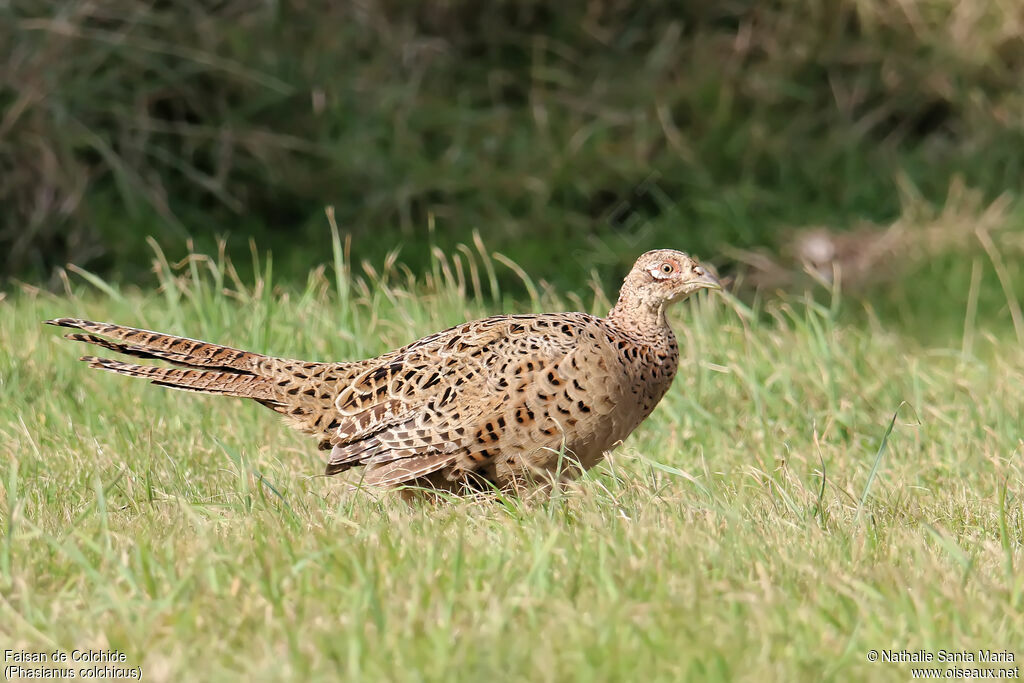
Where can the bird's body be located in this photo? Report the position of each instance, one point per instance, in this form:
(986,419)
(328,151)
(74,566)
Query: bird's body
(499,401)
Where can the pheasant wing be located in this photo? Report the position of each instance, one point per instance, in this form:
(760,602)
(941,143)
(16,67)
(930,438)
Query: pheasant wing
(458,399)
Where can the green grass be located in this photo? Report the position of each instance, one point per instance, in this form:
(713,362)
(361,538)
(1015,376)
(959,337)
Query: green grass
(808,491)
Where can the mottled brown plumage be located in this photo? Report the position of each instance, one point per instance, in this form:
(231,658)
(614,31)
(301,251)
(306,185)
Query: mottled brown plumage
(499,401)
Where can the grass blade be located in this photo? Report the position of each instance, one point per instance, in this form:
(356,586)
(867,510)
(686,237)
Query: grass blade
(878,461)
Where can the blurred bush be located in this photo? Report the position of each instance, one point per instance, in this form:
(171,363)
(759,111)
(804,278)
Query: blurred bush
(550,129)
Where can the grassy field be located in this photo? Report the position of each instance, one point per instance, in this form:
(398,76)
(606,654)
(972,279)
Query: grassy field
(809,491)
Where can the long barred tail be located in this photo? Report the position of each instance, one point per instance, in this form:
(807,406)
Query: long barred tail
(209,368)
(154,345)
(303,392)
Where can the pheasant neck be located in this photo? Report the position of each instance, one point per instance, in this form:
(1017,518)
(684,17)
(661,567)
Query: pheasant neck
(641,319)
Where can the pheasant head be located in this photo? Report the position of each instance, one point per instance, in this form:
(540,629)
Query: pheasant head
(658,278)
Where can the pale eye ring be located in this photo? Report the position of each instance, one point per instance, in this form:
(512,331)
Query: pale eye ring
(667,268)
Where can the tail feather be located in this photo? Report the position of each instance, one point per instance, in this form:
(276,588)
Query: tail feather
(178,359)
(202,381)
(301,391)
(155,345)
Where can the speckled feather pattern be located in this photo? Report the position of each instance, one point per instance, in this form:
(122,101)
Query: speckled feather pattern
(503,401)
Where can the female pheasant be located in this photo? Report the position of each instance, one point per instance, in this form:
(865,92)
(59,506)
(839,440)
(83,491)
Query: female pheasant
(494,402)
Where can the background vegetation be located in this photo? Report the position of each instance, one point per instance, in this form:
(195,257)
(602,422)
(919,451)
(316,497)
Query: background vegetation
(531,124)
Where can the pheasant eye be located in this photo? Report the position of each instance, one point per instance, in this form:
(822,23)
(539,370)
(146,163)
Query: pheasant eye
(667,268)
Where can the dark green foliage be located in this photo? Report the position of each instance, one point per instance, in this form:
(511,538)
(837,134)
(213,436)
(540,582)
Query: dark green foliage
(570,136)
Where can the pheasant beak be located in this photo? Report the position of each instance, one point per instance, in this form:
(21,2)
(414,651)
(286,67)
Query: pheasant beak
(705,281)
